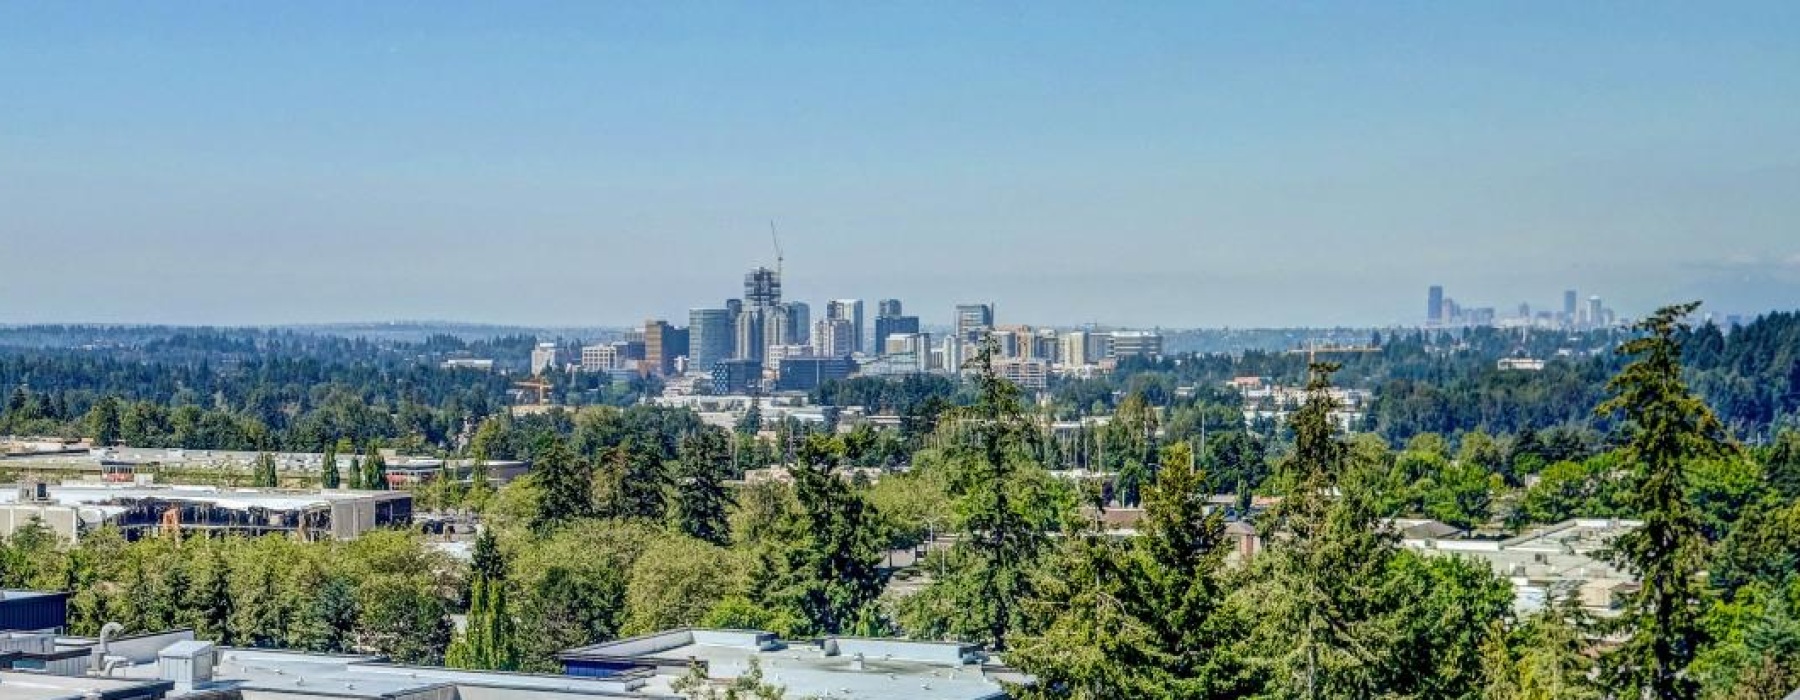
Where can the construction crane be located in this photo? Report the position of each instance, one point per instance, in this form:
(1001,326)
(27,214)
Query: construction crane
(776,237)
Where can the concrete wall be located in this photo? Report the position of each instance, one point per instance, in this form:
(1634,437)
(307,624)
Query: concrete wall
(59,518)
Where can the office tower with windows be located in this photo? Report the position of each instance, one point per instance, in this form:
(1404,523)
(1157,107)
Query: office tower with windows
(1434,306)
(850,310)
(709,338)
(972,320)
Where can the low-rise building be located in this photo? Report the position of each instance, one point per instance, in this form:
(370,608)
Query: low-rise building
(74,508)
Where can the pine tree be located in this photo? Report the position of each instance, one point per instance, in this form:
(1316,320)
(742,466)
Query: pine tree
(265,475)
(1319,597)
(566,484)
(638,481)
(328,469)
(356,473)
(701,498)
(374,469)
(1008,515)
(488,641)
(833,572)
(1668,429)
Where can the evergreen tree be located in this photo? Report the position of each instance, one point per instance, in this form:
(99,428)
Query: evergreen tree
(1009,513)
(1317,596)
(374,469)
(103,421)
(1131,619)
(1668,429)
(566,484)
(265,475)
(701,498)
(328,468)
(356,473)
(487,642)
(638,483)
(833,573)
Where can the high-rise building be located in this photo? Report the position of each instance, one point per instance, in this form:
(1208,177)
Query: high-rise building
(888,321)
(833,337)
(1569,302)
(972,320)
(849,310)
(657,357)
(1075,349)
(798,328)
(599,358)
(776,353)
(1144,344)
(749,333)
(544,357)
(709,338)
(1434,306)
(1596,312)
(889,326)
(762,287)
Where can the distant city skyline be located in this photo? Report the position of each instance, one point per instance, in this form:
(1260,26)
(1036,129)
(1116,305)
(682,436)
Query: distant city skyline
(1176,165)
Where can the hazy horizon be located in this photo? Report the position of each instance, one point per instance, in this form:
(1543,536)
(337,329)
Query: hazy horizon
(1177,165)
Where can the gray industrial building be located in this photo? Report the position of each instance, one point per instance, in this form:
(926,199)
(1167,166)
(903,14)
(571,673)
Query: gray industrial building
(74,508)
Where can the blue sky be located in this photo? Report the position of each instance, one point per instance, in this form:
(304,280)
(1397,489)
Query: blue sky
(1182,164)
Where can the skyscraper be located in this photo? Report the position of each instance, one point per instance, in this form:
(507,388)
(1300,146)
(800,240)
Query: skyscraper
(709,337)
(889,321)
(1569,302)
(762,287)
(833,337)
(887,307)
(849,310)
(657,358)
(1434,306)
(971,319)
(1596,312)
(748,331)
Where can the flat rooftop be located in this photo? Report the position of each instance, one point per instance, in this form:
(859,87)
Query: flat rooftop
(846,667)
(101,493)
(16,685)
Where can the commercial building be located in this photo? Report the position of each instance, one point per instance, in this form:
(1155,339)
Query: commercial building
(545,357)
(834,337)
(709,337)
(1434,306)
(889,325)
(599,358)
(662,344)
(1136,344)
(972,320)
(1027,373)
(850,311)
(1074,351)
(1553,562)
(807,373)
(75,508)
(176,665)
(736,376)
(837,667)
(748,331)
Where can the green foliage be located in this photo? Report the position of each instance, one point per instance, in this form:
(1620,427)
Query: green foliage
(1669,429)
(1007,508)
(676,582)
(831,572)
(565,484)
(749,686)
(701,502)
(329,478)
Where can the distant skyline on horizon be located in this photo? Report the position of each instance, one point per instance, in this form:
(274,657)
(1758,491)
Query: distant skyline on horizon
(1184,165)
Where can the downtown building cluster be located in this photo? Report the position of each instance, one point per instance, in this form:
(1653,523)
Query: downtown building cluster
(1575,314)
(762,342)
